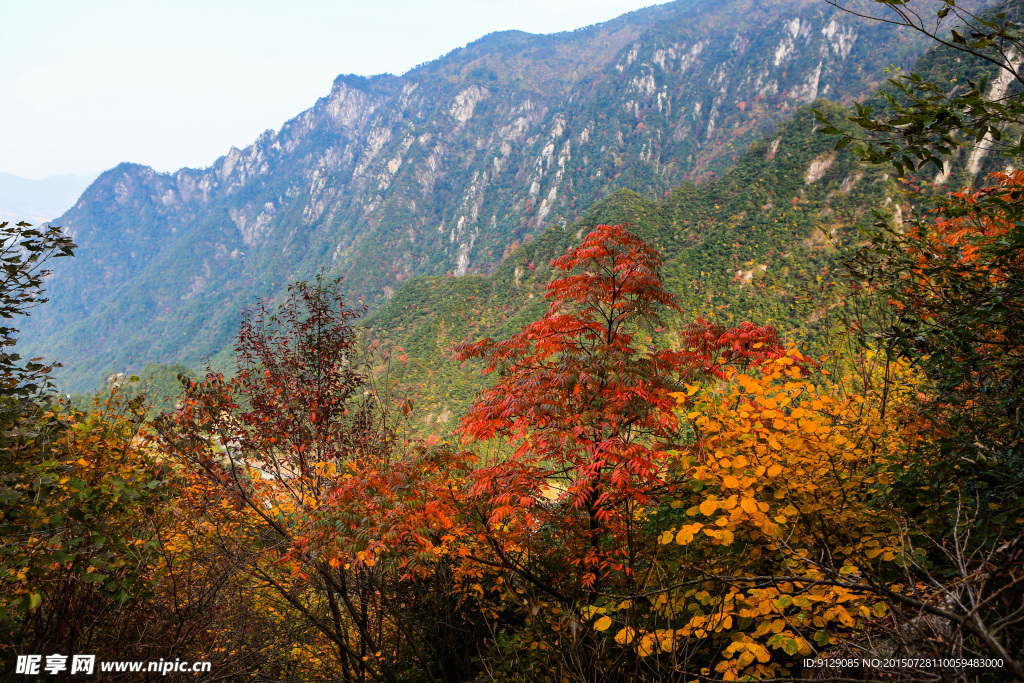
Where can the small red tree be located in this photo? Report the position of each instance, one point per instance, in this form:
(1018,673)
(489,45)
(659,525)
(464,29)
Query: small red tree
(587,409)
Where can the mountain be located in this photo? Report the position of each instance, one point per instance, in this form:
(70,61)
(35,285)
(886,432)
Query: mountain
(444,170)
(38,201)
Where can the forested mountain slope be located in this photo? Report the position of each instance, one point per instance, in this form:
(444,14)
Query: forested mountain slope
(442,170)
(760,244)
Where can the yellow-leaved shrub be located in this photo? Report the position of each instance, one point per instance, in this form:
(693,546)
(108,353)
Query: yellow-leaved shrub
(777,514)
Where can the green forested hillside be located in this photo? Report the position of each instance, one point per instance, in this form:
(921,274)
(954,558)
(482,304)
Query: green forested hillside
(757,244)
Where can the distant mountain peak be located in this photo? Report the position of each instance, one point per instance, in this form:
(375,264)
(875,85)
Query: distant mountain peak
(38,201)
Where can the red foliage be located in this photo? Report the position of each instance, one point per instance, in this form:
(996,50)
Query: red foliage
(588,412)
(300,400)
(708,348)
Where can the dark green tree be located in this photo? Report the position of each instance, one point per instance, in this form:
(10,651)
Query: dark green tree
(25,252)
(923,121)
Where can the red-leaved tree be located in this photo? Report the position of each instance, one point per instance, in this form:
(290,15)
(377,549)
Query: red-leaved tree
(299,478)
(588,413)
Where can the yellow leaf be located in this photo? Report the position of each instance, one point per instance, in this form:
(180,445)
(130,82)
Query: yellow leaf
(731,482)
(685,534)
(603,623)
(625,636)
(749,505)
(708,507)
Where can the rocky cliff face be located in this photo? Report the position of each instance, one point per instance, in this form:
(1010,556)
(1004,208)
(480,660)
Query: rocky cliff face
(443,170)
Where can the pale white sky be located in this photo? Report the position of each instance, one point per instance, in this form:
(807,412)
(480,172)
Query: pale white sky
(86,85)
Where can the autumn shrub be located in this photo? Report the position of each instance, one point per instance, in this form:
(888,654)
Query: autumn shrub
(949,280)
(302,480)
(80,540)
(77,493)
(773,526)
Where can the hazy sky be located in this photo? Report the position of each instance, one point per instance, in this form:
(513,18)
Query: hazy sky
(86,85)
